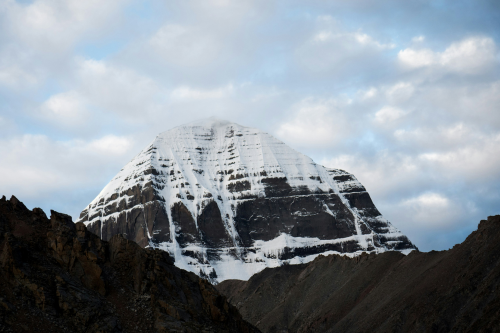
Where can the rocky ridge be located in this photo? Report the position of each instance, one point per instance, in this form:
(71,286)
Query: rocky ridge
(448,291)
(56,276)
(227,201)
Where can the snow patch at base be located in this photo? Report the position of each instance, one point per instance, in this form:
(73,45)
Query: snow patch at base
(264,254)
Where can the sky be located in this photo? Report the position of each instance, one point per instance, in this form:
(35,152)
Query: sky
(403,94)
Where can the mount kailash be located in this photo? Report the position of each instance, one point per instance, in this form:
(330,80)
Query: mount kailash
(227,201)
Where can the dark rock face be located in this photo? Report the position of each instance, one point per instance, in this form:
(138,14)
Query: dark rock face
(56,276)
(215,194)
(143,212)
(304,216)
(450,291)
(211,227)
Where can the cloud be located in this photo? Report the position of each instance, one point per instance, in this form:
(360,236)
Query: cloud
(101,90)
(418,39)
(333,49)
(417,58)
(400,92)
(468,56)
(314,123)
(15,77)
(444,138)
(109,144)
(361,38)
(184,46)
(118,90)
(432,209)
(38,38)
(369,93)
(483,98)
(185,92)
(479,160)
(206,44)
(382,174)
(65,108)
(388,114)
(61,175)
(50,25)
(34,166)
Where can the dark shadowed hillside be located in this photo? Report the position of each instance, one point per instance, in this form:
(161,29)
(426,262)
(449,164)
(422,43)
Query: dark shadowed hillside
(55,276)
(450,291)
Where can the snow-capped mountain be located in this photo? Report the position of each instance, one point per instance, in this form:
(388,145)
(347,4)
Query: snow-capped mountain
(227,201)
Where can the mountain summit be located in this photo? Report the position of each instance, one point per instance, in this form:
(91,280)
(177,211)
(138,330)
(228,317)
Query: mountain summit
(227,201)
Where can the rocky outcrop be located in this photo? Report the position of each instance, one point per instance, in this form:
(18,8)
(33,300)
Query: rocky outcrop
(56,276)
(449,291)
(226,201)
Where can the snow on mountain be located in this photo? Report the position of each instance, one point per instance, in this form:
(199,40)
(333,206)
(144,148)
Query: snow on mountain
(227,201)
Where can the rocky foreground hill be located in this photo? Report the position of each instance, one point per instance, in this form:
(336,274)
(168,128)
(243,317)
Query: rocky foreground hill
(227,201)
(449,291)
(56,276)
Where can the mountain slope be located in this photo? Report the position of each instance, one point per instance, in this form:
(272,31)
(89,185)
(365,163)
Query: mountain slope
(449,291)
(55,276)
(226,201)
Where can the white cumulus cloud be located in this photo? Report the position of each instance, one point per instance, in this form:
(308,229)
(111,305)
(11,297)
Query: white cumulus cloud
(389,114)
(314,123)
(431,209)
(469,56)
(65,108)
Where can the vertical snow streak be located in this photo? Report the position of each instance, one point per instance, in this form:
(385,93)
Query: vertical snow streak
(333,184)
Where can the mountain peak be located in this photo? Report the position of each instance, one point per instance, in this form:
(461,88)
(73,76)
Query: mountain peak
(226,201)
